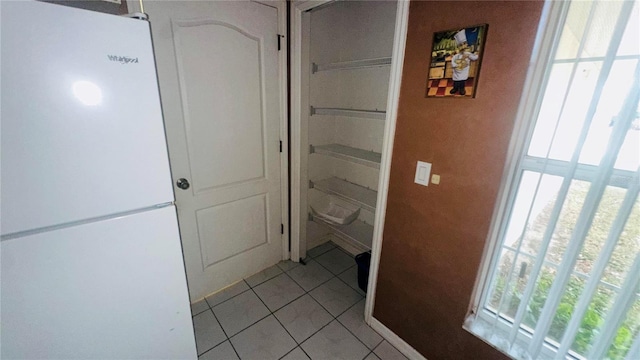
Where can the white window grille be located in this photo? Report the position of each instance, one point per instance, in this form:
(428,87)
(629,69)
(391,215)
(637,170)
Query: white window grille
(562,279)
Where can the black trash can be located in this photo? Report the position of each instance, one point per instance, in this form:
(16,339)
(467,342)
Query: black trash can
(363,260)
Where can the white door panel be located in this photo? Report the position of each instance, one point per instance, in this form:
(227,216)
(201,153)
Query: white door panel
(218,67)
(211,95)
(51,135)
(98,313)
(234,227)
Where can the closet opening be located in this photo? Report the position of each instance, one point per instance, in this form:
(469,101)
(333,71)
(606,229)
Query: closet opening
(339,104)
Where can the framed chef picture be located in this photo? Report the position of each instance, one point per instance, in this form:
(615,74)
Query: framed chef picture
(456,56)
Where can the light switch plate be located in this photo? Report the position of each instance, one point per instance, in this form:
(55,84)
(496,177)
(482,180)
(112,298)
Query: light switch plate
(423,170)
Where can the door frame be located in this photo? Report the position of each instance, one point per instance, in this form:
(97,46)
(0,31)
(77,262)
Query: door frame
(281,7)
(299,120)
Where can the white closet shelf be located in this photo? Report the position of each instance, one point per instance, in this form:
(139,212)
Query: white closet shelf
(357,231)
(355,64)
(361,196)
(367,114)
(354,155)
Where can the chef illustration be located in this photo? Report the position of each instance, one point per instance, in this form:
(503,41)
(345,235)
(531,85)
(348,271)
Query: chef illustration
(461,62)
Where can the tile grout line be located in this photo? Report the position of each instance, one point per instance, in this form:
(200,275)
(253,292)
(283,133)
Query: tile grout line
(214,316)
(224,332)
(294,340)
(270,312)
(262,282)
(296,283)
(325,309)
(356,336)
(292,350)
(310,336)
(222,302)
(313,288)
(343,271)
(262,301)
(334,318)
(328,242)
(278,320)
(334,275)
(349,308)
(282,271)
(299,344)
(257,321)
(194,315)
(246,283)
(317,302)
(351,287)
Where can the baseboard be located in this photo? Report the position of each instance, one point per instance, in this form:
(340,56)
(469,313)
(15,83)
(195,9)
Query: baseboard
(396,341)
(311,243)
(348,245)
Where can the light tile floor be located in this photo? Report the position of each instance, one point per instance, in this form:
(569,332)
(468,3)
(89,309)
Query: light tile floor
(291,311)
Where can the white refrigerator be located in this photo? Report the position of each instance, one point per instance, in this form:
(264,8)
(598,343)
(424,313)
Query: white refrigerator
(91,260)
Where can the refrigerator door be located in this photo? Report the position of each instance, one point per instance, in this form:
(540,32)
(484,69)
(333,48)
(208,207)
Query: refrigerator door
(111,289)
(82,132)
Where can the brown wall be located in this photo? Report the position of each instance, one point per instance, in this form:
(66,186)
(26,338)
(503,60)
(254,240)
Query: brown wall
(434,236)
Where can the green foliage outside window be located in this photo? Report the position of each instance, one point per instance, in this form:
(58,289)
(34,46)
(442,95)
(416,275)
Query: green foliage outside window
(627,248)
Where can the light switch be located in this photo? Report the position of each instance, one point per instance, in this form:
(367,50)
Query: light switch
(435,179)
(423,171)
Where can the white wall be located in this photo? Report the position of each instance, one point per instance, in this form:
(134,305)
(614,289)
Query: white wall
(348,31)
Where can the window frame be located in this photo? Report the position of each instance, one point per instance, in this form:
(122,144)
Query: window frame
(548,32)
(552,22)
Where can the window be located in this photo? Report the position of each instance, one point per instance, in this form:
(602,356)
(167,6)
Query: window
(563,279)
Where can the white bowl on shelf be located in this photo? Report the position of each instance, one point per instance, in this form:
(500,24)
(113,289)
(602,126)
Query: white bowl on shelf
(334,211)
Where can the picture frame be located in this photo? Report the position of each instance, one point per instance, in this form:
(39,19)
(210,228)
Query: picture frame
(456,56)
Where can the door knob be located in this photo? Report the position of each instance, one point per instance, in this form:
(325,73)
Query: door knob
(183,183)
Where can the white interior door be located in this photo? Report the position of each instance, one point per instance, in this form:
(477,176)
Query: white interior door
(219,74)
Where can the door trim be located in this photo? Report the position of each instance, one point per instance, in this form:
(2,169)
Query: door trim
(395,340)
(281,7)
(299,92)
(393,98)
